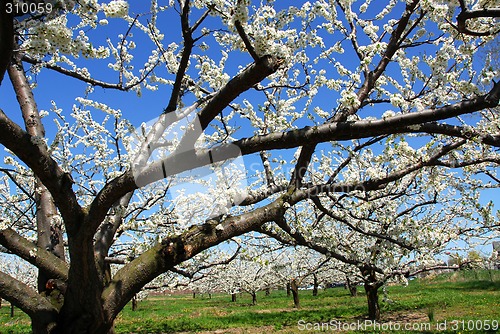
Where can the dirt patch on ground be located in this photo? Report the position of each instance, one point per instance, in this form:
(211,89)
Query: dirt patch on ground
(273,310)
(405,317)
(250,330)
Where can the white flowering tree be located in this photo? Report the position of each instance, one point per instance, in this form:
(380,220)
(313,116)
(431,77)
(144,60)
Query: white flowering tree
(390,233)
(295,89)
(250,272)
(298,267)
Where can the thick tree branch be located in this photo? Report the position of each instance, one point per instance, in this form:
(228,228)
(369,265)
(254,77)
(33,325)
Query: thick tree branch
(303,162)
(34,154)
(242,82)
(49,233)
(410,122)
(246,40)
(108,196)
(392,47)
(6,38)
(363,129)
(467,14)
(125,183)
(456,131)
(37,307)
(184,62)
(256,196)
(39,257)
(105,236)
(172,251)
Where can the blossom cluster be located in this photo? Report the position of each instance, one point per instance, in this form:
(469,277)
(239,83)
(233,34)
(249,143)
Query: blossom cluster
(116,8)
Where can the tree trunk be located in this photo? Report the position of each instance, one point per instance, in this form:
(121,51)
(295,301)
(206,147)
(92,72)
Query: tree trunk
(268,291)
(49,235)
(372,297)
(134,303)
(83,310)
(315,285)
(194,295)
(254,298)
(288,289)
(11,310)
(233,297)
(353,289)
(295,292)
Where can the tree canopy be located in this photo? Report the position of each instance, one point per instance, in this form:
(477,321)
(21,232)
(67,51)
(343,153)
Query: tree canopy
(143,134)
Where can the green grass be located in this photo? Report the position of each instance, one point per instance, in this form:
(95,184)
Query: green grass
(463,296)
(18,324)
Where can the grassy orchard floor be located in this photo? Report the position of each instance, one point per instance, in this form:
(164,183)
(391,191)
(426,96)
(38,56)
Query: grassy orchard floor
(459,296)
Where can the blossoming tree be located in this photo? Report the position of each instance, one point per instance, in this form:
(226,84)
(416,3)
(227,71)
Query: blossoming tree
(294,89)
(390,233)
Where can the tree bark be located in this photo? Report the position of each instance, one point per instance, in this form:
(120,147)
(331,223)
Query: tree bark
(42,313)
(294,287)
(371,289)
(6,38)
(372,298)
(254,298)
(288,289)
(315,285)
(233,297)
(353,289)
(49,231)
(134,303)
(83,310)
(29,251)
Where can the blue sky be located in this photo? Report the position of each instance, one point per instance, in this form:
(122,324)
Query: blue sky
(54,86)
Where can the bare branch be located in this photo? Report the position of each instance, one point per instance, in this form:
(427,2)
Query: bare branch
(184,62)
(73,74)
(104,237)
